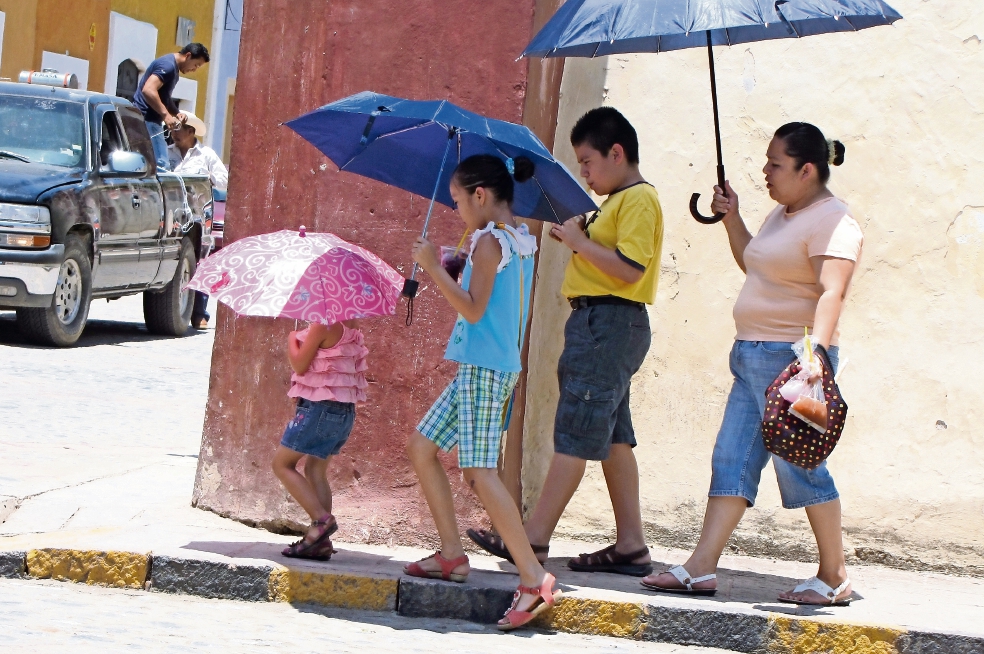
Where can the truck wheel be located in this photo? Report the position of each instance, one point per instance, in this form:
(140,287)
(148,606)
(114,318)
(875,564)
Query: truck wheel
(62,322)
(168,312)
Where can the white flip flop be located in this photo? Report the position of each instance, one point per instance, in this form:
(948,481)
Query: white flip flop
(825,591)
(685,578)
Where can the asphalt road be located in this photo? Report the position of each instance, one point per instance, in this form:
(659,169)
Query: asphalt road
(104,437)
(42,616)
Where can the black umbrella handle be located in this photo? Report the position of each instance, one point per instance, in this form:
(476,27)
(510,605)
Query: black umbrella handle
(695,212)
(717,141)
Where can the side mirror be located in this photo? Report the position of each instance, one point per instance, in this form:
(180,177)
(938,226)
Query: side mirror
(127,163)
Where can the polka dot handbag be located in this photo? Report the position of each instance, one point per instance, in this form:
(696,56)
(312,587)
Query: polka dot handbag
(792,439)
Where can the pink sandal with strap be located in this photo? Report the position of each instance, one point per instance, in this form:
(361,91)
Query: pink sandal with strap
(447,565)
(546,598)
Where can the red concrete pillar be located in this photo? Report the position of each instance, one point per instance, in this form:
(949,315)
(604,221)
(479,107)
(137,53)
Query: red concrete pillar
(297,55)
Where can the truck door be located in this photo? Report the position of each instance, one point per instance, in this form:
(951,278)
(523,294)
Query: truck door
(112,196)
(148,215)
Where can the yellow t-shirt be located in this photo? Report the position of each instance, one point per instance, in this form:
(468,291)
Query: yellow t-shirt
(630,222)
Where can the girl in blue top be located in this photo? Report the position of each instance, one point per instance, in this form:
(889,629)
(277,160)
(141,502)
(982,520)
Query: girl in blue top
(492,302)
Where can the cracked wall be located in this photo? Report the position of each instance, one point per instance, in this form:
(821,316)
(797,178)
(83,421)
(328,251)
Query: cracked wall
(907,101)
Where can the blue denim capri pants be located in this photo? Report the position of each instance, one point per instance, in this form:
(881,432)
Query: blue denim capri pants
(739,453)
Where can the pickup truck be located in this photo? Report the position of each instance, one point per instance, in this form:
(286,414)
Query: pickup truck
(85,214)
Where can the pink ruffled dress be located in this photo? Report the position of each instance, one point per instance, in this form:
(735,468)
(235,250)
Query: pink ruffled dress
(336,373)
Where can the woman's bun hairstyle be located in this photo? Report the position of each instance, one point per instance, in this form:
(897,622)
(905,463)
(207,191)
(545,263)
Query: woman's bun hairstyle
(837,152)
(806,144)
(523,169)
(493,174)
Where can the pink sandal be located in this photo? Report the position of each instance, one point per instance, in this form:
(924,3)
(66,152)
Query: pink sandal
(414,569)
(546,598)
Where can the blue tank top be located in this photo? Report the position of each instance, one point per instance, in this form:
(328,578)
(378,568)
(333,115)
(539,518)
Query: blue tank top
(494,341)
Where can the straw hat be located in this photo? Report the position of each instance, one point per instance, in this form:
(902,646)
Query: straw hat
(197,123)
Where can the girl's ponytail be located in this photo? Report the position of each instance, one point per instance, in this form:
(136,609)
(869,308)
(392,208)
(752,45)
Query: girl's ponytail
(493,174)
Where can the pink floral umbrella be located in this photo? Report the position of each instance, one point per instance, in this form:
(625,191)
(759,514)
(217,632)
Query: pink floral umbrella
(316,277)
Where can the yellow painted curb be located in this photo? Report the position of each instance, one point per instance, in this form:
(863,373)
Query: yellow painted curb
(595,617)
(798,636)
(345,591)
(120,569)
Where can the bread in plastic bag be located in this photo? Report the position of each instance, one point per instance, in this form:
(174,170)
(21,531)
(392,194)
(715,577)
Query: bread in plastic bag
(805,390)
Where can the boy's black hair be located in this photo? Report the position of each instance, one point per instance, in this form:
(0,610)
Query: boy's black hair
(196,50)
(603,127)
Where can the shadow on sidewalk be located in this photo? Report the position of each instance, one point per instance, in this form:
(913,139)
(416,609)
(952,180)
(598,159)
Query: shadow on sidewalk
(402,623)
(758,590)
(97,332)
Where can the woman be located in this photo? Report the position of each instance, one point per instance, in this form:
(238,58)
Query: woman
(798,271)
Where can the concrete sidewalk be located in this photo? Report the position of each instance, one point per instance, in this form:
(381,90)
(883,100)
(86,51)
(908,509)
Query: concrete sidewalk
(183,550)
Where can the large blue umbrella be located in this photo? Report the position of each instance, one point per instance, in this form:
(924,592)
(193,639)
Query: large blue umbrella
(415,145)
(594,28)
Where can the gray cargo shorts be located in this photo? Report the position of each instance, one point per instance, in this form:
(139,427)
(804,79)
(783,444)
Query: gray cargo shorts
(604,345)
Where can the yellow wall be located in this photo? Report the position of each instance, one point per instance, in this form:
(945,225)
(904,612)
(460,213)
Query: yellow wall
(33,26)
(163,14)
(63,28)
(18,36)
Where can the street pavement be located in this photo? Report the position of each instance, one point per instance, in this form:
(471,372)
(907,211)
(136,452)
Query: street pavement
(98,451)
(95,619)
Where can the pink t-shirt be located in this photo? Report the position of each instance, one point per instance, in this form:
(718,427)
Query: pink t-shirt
(336,373)
(781,292)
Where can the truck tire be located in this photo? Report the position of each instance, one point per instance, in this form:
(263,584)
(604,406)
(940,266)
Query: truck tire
(168,312)
(61,323)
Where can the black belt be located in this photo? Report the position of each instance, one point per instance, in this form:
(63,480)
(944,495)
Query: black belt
(590,301)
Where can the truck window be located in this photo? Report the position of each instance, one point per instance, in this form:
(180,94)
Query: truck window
(43,130)
(136,134)
(110,141)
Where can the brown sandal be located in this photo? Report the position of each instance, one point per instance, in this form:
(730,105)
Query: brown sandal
(305,549)
(609,560)
(492,543)
(414,569)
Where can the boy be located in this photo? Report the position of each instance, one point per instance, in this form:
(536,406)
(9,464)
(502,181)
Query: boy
(611,277)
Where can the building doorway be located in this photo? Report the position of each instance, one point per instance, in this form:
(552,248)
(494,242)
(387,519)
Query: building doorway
(127,77)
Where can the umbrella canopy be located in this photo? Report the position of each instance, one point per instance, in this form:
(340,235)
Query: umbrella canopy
(594,28)
(316,277)
(415,145)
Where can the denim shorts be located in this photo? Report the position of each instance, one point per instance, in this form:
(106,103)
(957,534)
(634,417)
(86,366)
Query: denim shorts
(319,429)
(604,345)
(739,453)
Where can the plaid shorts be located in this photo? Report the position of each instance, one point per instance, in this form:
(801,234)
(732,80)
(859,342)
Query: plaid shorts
(469,414)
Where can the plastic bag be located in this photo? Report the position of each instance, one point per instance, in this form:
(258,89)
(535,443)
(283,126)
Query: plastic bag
(805,390)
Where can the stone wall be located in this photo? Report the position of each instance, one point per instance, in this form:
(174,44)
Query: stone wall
(295,56)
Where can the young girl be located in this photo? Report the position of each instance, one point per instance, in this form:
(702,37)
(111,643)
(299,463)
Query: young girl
(492,303)
(329,378)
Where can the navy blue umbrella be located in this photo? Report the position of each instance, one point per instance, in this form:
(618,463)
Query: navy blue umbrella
(415,145)
(594,28)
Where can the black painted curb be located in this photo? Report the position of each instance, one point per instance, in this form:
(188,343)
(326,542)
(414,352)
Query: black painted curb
(738,632)
(13,564)
(210,579)
(425,598)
